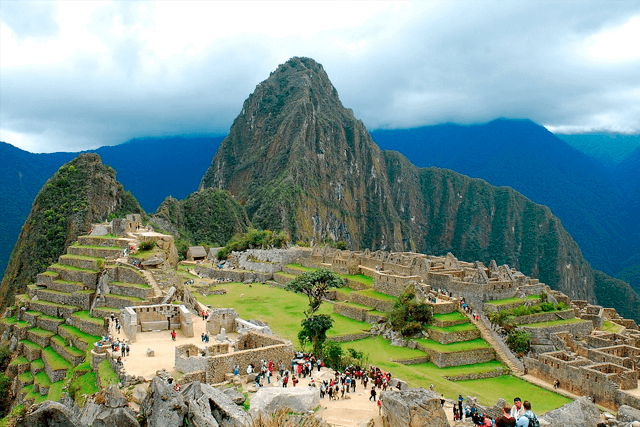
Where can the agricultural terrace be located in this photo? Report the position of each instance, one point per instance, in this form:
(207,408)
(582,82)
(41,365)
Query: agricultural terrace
(283,311)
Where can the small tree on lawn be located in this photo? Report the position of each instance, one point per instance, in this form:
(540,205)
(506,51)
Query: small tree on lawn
(315,285)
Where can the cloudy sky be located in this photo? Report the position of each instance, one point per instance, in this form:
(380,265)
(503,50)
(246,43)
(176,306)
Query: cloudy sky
(79,75)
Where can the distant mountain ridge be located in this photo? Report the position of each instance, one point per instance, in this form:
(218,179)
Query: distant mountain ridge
(303,163)
(533,161)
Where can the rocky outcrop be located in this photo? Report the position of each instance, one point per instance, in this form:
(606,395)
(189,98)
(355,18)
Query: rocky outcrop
(114,412)
(301,162)
(415,407)
(211,407)
(80,193)
(238,398)
(628,414)
(579,413)
(163,406)
(300,400)
(50,414)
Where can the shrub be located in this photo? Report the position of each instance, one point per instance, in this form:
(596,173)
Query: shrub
(408,317)
(147,245)
(519,341)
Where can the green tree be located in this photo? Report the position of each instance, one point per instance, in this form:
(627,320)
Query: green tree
(315,285)
(408,316)
(519,341)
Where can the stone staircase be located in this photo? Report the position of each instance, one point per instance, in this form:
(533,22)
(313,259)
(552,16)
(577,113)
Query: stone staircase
(54,326)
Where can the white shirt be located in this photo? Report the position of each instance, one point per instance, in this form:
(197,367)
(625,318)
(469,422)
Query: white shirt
(517,413)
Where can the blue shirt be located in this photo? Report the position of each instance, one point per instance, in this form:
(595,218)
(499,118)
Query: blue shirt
(523,421)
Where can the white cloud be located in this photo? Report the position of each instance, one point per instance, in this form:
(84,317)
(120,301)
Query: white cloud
(106,72)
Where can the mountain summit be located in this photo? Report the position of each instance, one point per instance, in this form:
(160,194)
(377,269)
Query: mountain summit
(301,162)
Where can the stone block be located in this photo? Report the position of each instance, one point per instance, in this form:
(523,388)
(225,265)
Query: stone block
(150,352)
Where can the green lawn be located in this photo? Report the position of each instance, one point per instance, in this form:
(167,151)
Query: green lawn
(55,360)
(377,295)
(20,360)
(554,323)
(55,391)
(281,309)
(455,328)
(301,267)
(609,326)
(360,278)
(84,315)
(107,376)
(453,347)
(505,301)
(456,315)
(287,275)
(86,384)
(82,336)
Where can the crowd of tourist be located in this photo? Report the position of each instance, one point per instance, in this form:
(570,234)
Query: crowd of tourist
(518,415)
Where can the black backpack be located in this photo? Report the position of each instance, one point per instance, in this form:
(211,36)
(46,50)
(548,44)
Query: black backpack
(533,420)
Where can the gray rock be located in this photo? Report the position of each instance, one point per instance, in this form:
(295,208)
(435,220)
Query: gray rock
(152,261)
(150,352)
(163,406)
(628,414)
(238,398)
(139,393)
(415,407)
(14,344)
(394,382)
(50,414)
(99,230)
(298,399)
(579,413)
(115,417)
(114,398)
(210,407)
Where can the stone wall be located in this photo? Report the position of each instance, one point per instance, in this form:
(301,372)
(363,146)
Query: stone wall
(125,274)
(413,361)
(542,317)
(392,284)
(544,333)
(144,318)
(239,276)
(491,374)
(187,359)
(221,318)
(451,337)
(355,313)
(378,304)
(468,357)
(350,337)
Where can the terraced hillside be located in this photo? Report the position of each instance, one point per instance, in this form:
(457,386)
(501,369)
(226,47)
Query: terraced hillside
(55,325)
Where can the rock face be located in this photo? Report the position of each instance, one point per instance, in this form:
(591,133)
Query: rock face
(579,413)
(303,163)
(51,414)
(209,406)
(628,414)
(114,412)
(298,399)
(163,406)
(410,408)
(82,192)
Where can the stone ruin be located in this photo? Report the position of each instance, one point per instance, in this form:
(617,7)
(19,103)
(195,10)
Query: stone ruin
(158,317)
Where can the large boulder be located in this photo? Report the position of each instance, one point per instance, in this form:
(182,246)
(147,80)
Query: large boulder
(237,397)
(298,399)
(50,414)
(163,406)
(114,412)
(210,407)
(579,413)
(628,414)
(414,407)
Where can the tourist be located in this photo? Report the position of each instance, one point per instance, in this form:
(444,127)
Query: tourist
(373,393)
(379,406)
(202,337)
(441,397)
(173,334)
(177,388)
(285,381)
(517,410)
(330,392)
(488,422)
(236,369)
(506,420)
(528,419)
(206,338)
(460,400)
(249,368)
(294,380)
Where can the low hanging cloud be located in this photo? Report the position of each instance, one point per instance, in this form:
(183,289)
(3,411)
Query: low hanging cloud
(78,76)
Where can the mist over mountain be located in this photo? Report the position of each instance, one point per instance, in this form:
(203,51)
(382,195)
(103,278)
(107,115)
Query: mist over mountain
(610,149)
(520,154)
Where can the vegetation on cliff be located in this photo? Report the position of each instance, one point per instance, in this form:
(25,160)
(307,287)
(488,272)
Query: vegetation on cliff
(303,163)
(616,293)
(81,192)
(207,217)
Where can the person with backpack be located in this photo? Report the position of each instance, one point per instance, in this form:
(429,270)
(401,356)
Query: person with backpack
(529,419)
(506,420)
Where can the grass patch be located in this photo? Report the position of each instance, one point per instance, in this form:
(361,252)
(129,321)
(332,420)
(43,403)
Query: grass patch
(377,295)
(356,305)
(300,267)
(20,360)
(42,379)
(344,291)
(609,326)
(82,336)
(25,377)
(360,278)
(71,268)
(54,360)
(71,350)
(456,315)
(82,257)
(554,323)
(83,386)
(287,275)
(54,304)
(42,332)
(280,308)
(107,376)
(31,345)
(382,349)
(85,315)
(37,364)
(505,301)
(132,285)
(55,391)
(9,320)
(453,347)
(455,328)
